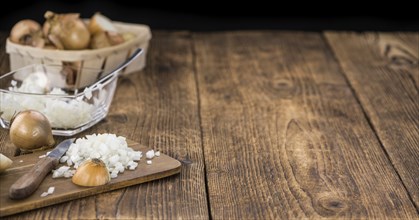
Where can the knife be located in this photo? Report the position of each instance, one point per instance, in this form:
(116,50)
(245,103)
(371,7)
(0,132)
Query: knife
(29,182)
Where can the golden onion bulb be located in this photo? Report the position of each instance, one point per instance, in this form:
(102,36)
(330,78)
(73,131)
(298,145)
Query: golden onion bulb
(92,172)
(69,28)
(75,35)
(30,130)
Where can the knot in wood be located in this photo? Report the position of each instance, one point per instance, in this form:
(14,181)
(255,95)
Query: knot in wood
(330,205)
(284,88)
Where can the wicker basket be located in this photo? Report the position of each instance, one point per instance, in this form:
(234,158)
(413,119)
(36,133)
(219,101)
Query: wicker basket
(81,62)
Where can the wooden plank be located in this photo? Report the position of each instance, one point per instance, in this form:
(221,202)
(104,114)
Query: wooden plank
(284,136)
(383,70)
(158,108)
(65,190)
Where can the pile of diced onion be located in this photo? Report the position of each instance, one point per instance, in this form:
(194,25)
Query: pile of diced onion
(60,112)
(111,149)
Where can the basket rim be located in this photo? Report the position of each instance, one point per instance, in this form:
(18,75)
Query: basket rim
(94,86)
(143,34)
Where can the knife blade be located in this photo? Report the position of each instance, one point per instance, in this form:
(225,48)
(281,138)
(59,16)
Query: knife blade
(30,181)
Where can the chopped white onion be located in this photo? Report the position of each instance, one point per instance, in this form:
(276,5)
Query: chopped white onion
(48,192)
(88,93)
(63,159)
(69,173)
(44,194)
(51,190)
(61,113)
(60,172)
(111,149)
(150,154)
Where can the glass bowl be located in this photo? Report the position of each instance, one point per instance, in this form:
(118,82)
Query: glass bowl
(47,89)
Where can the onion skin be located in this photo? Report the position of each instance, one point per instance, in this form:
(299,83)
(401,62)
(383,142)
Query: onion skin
(56,42)
(92,172)
(30,130)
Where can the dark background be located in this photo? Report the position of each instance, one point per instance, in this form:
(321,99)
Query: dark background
(220,15)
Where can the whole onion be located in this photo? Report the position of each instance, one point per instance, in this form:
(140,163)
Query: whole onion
(30,130)
(69,29)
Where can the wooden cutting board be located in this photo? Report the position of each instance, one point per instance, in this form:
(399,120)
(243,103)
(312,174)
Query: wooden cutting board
(65,190)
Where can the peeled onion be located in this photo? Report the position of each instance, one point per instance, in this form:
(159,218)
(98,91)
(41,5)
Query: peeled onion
(30,130)
(100,23)
(92,172)
(5,163)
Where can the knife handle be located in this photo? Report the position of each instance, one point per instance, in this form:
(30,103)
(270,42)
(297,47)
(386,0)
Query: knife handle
(30,181)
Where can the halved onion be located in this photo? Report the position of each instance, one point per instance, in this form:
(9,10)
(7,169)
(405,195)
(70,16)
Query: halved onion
(92,172)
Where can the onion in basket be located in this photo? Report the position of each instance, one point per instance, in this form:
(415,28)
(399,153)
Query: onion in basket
(68,28)
(104,32)
(100,23)
(100,40)
(27,32)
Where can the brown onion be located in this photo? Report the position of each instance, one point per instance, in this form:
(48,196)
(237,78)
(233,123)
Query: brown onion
(92,172)
(27,32)
(30,130)
(100,40)
(69,28)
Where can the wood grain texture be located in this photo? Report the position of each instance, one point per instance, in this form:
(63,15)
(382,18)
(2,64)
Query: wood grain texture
(158,108)
(283,134)
(383,70)
(281,130)
(65,190)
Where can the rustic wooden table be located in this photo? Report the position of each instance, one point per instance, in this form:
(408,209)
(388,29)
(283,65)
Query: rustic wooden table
(267,125)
